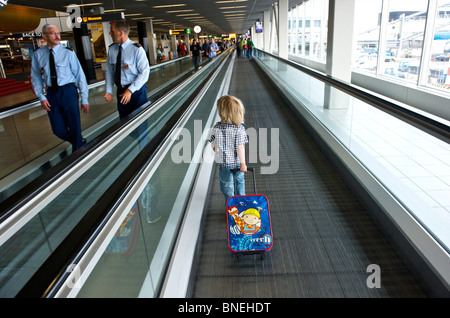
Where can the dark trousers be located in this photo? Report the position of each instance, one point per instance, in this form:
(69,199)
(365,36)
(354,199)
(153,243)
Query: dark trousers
(64,114)
(196,59)
(138,98)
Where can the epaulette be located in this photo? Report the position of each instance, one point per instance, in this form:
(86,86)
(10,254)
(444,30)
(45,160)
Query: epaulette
(69,48)
(137,44)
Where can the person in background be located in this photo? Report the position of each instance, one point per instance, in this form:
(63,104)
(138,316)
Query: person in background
(213,48)
(196,54)
(58,68)
(127,67)
(250,47)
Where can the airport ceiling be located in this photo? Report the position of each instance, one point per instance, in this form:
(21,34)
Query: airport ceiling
(214,16)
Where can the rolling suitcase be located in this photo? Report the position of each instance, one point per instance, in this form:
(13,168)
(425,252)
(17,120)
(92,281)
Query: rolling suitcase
(248,223)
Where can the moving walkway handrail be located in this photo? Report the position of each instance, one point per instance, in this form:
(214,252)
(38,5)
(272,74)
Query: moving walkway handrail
(438,126)
(21,198)
(12,110)
(50,276)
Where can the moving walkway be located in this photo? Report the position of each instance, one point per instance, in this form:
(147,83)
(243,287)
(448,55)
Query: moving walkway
(331,219)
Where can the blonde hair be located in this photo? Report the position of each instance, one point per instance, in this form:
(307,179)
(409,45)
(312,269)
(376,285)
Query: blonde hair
(231,110)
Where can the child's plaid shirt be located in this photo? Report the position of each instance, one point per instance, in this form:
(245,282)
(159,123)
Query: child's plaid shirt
(226,138)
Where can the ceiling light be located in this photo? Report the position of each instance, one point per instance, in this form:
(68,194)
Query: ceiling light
(228,8)
(85,4)
(178,11)
(169,6)
(114,10)
(187,14)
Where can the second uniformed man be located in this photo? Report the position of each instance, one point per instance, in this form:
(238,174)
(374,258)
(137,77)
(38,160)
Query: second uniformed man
(126,66)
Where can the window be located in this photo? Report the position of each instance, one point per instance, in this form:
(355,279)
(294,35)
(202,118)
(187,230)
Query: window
(439,65)
(309,35)
(399,32)
(367,33)
(404,39)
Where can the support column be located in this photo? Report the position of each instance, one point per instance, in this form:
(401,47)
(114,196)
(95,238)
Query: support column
(173,45)
(151,42)
(266,31)
(142,35)
(84,51)
(340,40)
(283,8)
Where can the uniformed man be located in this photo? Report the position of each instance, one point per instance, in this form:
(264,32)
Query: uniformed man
(126,66)
(58,69)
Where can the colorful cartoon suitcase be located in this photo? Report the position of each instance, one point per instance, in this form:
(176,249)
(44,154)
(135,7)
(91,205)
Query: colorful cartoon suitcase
(249,224)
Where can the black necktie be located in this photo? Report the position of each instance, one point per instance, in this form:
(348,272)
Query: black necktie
(53,78)
(118,67)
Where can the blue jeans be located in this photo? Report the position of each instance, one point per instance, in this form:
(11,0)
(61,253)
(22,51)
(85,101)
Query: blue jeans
(196,59)
(227,184)
(250,53)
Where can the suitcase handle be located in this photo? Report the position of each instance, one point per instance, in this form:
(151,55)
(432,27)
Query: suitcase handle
(248,169)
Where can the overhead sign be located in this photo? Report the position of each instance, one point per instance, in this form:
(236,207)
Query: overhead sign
(105,17)
(179,31)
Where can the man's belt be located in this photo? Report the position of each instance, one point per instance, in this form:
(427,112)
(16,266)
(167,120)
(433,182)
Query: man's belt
(54,89)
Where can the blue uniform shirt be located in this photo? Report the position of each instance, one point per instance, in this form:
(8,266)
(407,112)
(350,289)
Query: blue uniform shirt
(135,68)
(68,70)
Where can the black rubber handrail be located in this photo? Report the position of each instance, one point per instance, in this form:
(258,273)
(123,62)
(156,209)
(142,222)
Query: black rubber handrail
(52,273)
(437,128)
(15,201)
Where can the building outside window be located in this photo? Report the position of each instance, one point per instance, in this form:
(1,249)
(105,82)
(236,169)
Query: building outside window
(438,75)
(402,41)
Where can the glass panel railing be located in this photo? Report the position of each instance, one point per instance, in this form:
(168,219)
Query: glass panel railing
(26,135)
(23,252)
(136,257)
(411,163)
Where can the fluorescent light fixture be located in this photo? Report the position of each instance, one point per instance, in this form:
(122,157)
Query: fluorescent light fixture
(178,11)
(169,6)
(133,14)
(114,10)
(187,14)
(231,7)
(85,4)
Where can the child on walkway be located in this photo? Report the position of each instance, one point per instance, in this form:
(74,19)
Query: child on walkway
(228,139)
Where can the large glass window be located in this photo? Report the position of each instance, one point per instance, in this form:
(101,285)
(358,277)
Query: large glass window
(308,30)
(439,66)
(404,39)
(367,33)
(391,43)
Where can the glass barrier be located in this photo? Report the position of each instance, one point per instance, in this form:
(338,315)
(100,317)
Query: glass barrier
(413,165)
(26,135)
(136,258)
(23,253)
